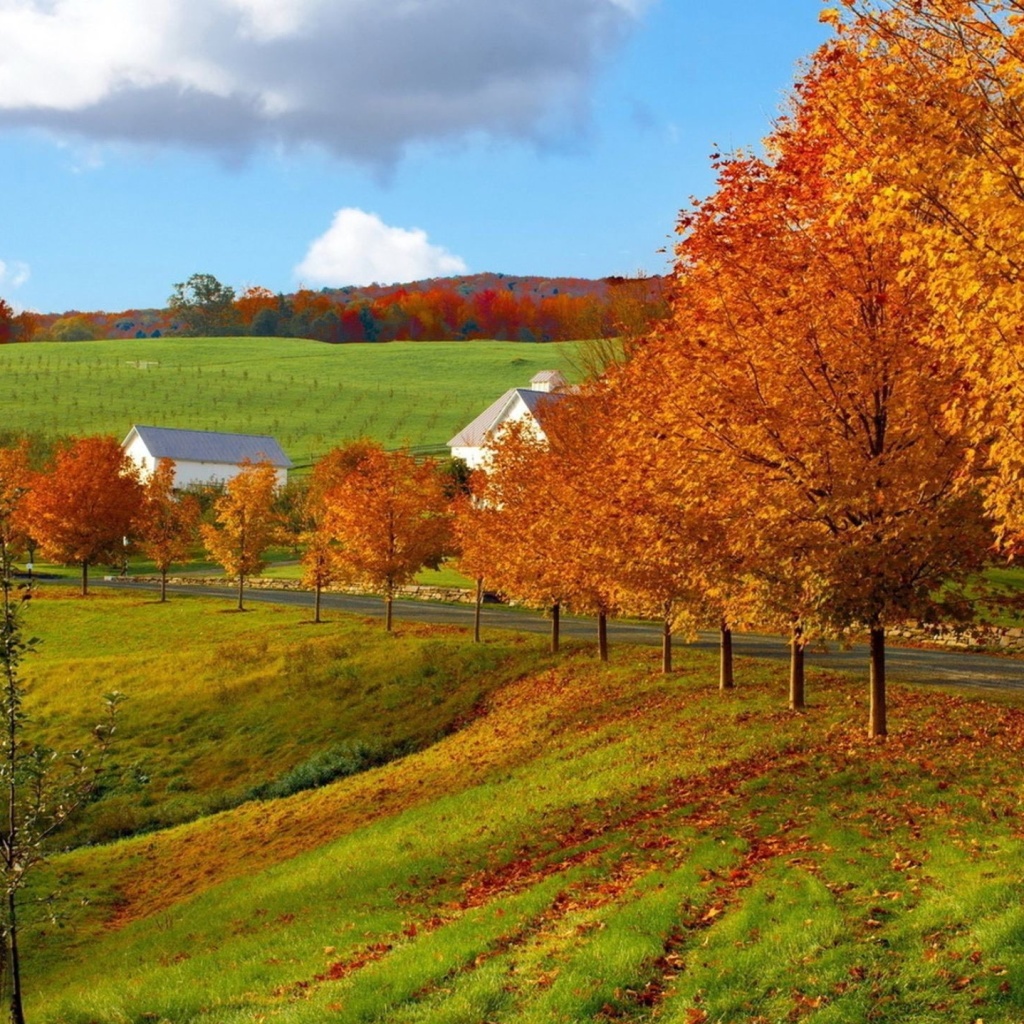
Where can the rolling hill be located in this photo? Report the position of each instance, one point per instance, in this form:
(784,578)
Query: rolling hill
(309,395)
(568,841)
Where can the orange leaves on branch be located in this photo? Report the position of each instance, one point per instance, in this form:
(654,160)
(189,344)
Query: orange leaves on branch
(246,523)
(82,509)
(168,523)
(389,515)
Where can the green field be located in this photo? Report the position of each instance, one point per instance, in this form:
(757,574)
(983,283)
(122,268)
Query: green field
(308,395)
(561,841)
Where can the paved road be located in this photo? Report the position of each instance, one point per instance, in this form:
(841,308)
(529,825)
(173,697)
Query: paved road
(902,663)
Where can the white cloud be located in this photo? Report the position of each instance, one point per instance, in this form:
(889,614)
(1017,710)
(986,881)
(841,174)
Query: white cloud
(14,275)
(359,248)
(361,77)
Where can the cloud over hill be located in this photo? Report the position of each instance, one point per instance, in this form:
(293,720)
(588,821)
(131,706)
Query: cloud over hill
(359,249)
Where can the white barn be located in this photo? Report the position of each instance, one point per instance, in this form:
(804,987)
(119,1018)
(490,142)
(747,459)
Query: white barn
(202,456)
(470,444)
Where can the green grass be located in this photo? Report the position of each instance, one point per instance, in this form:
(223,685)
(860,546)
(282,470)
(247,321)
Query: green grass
(224,703)
(308,395)
(581,842)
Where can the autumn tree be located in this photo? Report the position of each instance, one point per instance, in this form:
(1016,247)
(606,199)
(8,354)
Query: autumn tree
(389,514)
(926,96)
(168,522)
(476,530)
(85,505)
(534,529)
(321,565)
(258,310)
(245,523)
(796,356)
(79,327)
(500,532)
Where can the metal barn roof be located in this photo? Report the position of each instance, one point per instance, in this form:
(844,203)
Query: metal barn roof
(210,446)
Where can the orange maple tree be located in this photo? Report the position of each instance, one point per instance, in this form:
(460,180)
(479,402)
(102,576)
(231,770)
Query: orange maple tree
(321,565)
(245,523)
(82,509)
(795,359)
(389,514)
(168,522)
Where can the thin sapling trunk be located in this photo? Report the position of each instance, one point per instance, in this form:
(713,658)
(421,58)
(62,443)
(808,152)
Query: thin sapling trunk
(877,726)
(796,669)
(725,675)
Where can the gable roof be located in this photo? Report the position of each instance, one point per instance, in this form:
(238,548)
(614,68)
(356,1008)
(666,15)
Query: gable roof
(552,377)
(210,446)
(475,434)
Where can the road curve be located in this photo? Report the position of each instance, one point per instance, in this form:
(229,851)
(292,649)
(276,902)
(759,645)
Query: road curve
(905,664)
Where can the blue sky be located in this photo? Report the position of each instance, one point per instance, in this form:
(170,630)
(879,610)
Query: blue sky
(331,142)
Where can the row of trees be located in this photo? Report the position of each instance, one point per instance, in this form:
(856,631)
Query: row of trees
(365,515)
(827,433)
(202,306)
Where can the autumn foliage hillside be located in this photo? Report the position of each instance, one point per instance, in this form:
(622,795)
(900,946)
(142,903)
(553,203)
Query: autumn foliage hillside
(496,306)
(588,842)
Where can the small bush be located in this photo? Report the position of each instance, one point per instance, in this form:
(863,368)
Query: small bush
(336,762)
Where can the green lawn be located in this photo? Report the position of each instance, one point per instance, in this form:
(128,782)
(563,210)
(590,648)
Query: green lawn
(309,395)
(577,843)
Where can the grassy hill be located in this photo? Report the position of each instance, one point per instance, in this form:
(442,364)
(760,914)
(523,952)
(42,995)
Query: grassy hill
(564,841)
(309,395)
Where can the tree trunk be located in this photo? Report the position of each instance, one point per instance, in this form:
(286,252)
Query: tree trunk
(85,579)
(476,611)
(796,669)
(725,677)
(14,960)
(556,610)
(876,721)
(666,646)
(602,635)
(388,602)
(241,591)
(163,586)
(316,603)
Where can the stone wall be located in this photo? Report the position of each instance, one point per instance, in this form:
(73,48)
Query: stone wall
(450,594)
(962,638)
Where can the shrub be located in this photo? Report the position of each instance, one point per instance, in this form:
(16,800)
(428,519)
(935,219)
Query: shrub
(336,762)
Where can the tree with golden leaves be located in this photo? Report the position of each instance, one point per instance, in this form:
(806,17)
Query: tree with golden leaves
(796,359)
(927,97)
(498,530)
(389,514)
(321,565)
(475,531)
(168,523)
(539,504)
(245,523)
(85,505)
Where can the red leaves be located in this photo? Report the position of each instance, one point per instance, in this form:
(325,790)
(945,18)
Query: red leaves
(343,968)
(84,506)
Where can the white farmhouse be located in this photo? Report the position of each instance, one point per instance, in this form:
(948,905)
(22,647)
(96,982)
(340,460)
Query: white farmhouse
(470,444)
(202,456)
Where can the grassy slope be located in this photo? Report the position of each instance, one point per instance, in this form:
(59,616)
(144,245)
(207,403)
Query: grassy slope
(591,843)
(309,395)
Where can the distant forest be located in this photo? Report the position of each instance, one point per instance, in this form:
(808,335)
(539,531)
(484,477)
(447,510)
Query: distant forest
(497,306)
